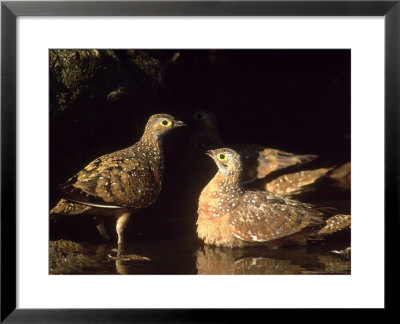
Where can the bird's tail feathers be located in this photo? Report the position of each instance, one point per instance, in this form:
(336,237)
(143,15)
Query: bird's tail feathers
(70,208)
(336,223)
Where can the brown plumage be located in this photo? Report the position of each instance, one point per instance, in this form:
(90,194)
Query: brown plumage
(258,161)
(121,182)
(231,216)
(296,183)
(335,224)
(342,176)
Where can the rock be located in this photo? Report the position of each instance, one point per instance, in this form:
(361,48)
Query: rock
(85,76)
(71,257)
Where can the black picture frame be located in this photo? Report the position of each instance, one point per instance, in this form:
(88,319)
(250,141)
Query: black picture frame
(10,10)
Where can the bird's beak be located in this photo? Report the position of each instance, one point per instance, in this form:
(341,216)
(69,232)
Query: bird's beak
(210,153)
(178,123)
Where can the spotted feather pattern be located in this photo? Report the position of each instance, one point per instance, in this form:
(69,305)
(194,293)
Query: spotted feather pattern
(262,216)
(127,178)
(297,182)
(335,224)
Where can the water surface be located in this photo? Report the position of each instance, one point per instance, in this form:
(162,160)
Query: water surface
(180,256)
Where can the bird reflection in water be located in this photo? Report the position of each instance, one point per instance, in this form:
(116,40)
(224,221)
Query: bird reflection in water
(213,260)
(123,260)
(67,257)
(182,257)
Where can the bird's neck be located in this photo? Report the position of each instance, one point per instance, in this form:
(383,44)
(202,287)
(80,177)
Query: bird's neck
(219,198)
(151,141)
(152,148)
(231,181)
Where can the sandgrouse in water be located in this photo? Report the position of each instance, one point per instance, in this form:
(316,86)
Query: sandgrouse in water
(258,161)
(231,216)
(119,183)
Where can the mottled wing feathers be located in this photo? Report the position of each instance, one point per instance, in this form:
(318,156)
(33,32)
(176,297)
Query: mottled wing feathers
(263,216)
(270,160)
(294,183)
(258,161)
(113,180)
(336,223)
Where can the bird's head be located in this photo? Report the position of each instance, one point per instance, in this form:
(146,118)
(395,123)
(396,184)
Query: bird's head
(228,161)
(205,120)
(160,124)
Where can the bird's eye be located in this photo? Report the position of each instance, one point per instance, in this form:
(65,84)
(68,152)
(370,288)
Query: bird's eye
(222,157)
(166,123)
(199,116)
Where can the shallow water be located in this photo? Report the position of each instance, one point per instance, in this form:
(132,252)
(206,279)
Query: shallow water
(163,240)
(180,256)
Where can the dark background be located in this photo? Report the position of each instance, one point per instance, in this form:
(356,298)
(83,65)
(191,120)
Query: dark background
(293,100)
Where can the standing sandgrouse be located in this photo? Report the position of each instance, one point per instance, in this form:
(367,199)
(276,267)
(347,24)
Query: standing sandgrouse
(231,216)
(258,161)
(122,182)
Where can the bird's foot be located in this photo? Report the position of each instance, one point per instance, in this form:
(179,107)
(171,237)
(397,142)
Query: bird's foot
(345,252)
(119,255)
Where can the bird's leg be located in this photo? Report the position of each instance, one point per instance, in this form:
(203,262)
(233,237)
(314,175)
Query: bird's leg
(121,224)
(120,255)
(100,227)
